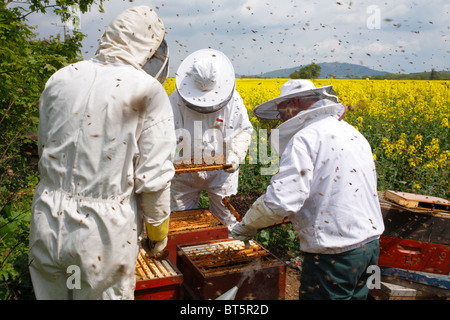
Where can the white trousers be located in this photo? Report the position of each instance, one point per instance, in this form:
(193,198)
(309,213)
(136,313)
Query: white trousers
(82,249)
(186,189)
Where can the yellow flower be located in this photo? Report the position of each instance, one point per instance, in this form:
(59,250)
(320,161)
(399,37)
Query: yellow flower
(405,121)
(433,149)
(443,159)
(418,140)
(432,165)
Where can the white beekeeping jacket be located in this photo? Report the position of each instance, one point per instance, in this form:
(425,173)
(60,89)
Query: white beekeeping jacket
(202,136)
(327,183)
(106,132)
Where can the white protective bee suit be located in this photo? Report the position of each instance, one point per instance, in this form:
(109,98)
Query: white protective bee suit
(326,184)
(106,135)
(210,120)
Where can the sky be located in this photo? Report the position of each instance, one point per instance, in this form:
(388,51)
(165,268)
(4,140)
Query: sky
(401,36)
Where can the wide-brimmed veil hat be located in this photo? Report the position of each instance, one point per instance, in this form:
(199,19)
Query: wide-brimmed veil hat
(290,89)
(205,80)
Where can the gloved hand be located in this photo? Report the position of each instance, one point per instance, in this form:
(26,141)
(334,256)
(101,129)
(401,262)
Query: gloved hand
(232,159)
(241,232)
(237,150)
(154,249)
(156,211)
(260,216)
(157,238)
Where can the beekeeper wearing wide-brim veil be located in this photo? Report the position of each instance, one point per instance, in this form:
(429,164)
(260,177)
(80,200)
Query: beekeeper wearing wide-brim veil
(327,186)
(106,139)
(211,122)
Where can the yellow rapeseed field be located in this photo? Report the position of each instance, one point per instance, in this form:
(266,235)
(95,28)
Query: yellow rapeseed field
(405,121)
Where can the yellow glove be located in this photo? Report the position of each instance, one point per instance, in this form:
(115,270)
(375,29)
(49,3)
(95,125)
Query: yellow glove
(158,233)
(156,238)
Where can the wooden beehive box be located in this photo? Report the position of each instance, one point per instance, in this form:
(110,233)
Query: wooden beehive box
(414,255)
(418,201)
(157,279)
(416,233)
(190,226)
(211,268)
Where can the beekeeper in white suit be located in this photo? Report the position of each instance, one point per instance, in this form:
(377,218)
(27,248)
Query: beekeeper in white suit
(327,186)
(106,136)
(211,121)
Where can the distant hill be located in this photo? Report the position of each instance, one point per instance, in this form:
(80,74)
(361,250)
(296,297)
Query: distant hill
(329,69)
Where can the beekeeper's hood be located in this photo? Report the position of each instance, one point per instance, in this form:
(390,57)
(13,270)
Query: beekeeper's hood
(136,36)
(205,80)
(293,88)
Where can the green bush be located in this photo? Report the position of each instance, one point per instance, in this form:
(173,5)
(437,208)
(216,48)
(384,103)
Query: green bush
(26,64)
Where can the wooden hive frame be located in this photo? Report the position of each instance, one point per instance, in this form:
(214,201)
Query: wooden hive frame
(208,164)
(157,279)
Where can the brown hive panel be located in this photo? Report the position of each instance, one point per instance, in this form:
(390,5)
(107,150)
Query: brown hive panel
(211,268)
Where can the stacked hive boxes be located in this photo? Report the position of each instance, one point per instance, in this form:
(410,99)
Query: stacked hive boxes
(226,262)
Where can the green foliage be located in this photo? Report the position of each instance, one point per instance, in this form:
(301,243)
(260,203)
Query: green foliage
(203,201)
(311,71)
(26,64)
(60,7)
(281,240)
(14,231)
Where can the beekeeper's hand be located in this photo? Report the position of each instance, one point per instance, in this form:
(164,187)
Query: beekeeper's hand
(233,160)
(157,238)
(241,232)
(237,150)
(155,207)
(260,216)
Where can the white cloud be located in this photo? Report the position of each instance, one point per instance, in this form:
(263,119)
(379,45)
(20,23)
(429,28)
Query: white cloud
(265,35)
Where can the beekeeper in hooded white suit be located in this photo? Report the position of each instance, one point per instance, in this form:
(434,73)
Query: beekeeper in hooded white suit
(211,121)
(327,186)
(106,135)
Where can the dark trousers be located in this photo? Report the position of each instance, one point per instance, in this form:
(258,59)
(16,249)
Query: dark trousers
(340,276)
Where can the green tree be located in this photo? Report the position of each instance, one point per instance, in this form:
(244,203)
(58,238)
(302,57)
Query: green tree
(433,75)
(26,62)
(311,71)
